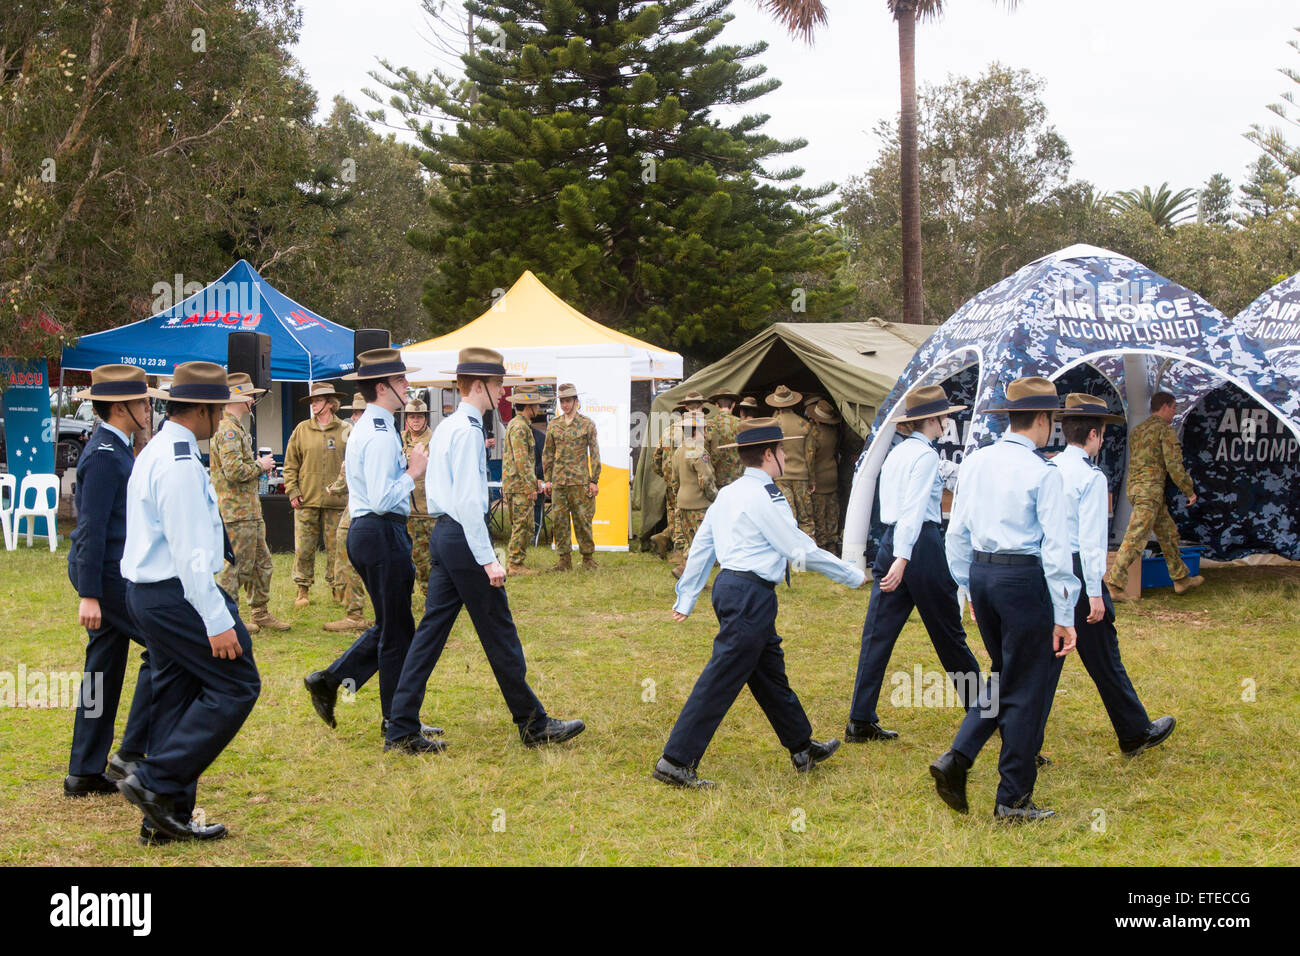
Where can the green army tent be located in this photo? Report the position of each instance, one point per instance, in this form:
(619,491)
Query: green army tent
(854,364)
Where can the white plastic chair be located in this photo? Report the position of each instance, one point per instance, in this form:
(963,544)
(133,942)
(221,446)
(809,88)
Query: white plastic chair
(45,505)
(8,498)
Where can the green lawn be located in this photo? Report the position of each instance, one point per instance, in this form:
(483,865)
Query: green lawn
(1222,790)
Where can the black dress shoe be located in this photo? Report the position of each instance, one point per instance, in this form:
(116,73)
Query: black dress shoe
(859,731)
(427,729)
(324,690)
(152,836)
(158,809)
(83,785)
(120,766)
(415,744)
(950,781)
(552,732)
(1156,734)
(676,776)
(1041,760)
(1024,813)
(817,751)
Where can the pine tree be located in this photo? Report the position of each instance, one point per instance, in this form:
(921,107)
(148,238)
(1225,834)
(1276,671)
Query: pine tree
(586,148)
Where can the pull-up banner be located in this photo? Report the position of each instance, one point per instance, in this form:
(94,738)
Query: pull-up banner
(604,384)
(28,423)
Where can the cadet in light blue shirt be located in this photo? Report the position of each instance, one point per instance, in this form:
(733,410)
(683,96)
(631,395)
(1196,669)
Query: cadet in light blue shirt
(1084,422)
(910,570)
(465,571)
(204,680)
(752,532)
(1009,541)
(379,480)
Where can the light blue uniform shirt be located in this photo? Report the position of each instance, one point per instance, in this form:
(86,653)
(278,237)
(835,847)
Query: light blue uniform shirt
(456,484)
(376,467)
(1011,501)
(173,527)
(126,439)
(911,490)
(1085,500)
(750,527)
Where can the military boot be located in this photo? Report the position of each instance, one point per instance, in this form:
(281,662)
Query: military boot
(565,563)
(660,543)
(264,620)
(302,600)
(518,570)
(589,563)
(353,622)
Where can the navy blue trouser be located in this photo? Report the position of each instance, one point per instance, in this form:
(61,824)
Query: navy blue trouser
(1014,613)
(747,650)
(457,580)
(1098,647)
(927,586)
(199,701)
(108,648)
(380,550)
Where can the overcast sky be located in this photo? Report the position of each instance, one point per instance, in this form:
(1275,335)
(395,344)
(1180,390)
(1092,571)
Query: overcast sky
(1144,91)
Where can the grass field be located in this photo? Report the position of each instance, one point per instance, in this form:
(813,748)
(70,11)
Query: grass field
(1222,790)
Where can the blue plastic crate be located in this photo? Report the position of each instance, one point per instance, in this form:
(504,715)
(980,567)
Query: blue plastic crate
(1155,573)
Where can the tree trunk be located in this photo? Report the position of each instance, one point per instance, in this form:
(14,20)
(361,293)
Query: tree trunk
(910,172)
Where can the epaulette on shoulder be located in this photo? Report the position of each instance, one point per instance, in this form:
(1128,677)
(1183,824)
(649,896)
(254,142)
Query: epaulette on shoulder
(773,491)
(380,424)
(181,451)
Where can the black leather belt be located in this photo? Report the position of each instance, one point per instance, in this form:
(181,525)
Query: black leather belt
(1015,560)
(751,576)
(390,516)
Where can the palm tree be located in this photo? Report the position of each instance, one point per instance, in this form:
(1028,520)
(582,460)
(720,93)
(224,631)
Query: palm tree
(801,17)
(1165,208)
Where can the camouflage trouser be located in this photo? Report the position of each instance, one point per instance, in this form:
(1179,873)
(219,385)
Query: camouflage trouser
(572,500)
(690,520)
(313,528)
(522,526)
(419,527)
(252,567)
(1149,515)
(800,499)
(826,516)
(354,597)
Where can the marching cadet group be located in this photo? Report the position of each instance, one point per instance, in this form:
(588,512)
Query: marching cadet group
(163,547)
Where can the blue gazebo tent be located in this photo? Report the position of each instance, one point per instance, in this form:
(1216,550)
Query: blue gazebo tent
(304,346)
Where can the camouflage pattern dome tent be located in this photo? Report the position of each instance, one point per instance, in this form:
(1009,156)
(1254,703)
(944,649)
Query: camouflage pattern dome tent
(855,364)
(1080,310)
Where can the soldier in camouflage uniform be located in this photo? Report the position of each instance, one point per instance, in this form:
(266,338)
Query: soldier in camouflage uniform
(519,484)
(416,431)
(571,465)
(661,465)
(1153,454)
(235,474)
(311,462)
(720,431)
(826,475)
(696,484)
(354,589)
(797,484)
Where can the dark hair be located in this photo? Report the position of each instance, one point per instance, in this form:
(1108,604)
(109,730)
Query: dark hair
(102,408)
(1021,421)
(751,456)
(1076,430)
(367,388)
(1160,399)
(175,408)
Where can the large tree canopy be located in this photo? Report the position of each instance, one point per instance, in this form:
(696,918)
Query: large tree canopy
(586,147)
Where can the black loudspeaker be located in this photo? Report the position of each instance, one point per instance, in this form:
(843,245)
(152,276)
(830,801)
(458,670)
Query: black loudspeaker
(250,353)
(363,340)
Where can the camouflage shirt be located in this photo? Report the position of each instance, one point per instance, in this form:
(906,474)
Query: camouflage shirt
(721,429)
(419,505)
(518,459)
(1153,453)
(661,463)
(234,471)
(568,447)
